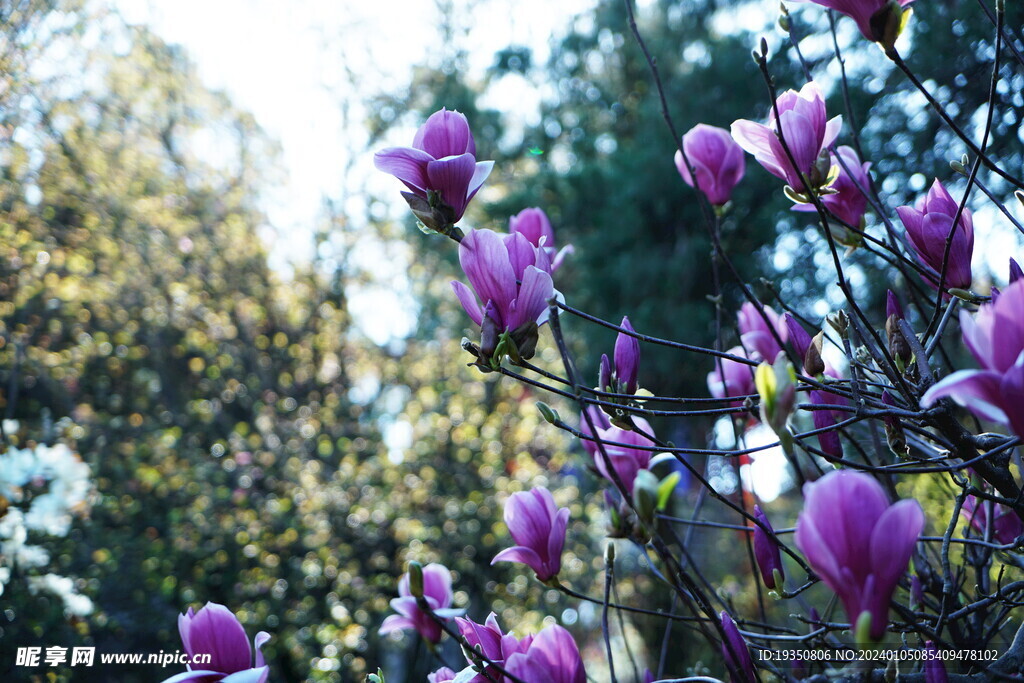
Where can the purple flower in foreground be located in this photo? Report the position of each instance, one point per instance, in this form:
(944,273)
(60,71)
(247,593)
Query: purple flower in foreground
(928,226)
(552,657)
(624,448)
(538,527)
(766,552)
(717,160)
(440,169)
(489,640)
(858,543)
(806,130)
(873,17)
(1006,525)
(736,653)
(512,279)
(1015,272)
(731,378)
(995,337)
(533,224)
(756,331)
(216,632)
(437,591)
(846,201)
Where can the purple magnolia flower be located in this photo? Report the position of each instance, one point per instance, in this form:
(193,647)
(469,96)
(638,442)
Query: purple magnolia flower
(538,527)
(440,168)
(1006,525)
(829,441)
(934,667)
(625,448)
(489,640)
(857,542)
(807,133)
(552,657)
(437,591)
(756,331)
(864,13)
(928,226)
(215,631)
(1015,272)
(766,551)
(442,675)
(846,201)
(731,379)
(995,337)
(627,359)
(717,160)
(736,653)
(533,224)
(512,279)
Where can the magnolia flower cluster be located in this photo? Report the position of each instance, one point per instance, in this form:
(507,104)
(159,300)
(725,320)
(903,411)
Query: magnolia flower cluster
(551,655)
(852,537)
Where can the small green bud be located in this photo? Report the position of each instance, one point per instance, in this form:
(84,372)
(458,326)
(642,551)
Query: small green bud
(416,579)
(547,412)
(645,495)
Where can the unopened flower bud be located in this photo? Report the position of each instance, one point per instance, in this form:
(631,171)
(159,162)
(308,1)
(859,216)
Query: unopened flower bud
(840,322)
(604,374)
(766,552)
(814,365)
(416,579)
(627,359)
(888,23)
(776,385)
(893,429)
(547,412)
(645,495)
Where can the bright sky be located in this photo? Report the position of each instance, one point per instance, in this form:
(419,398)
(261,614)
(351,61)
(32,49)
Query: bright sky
(286,63)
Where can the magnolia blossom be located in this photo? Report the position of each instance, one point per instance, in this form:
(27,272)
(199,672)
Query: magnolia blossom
(533,224)
(995,337)
(440,168)
(624,448)
(495,645)
(806,130)
(215,631)
(823,419)
(732,379)
(511,277)
(442,675)
(858,543)
(437,591)
(766,551)
(551,657)
(871,15)
(846,200)
(928,227)
(761,331)
(627,359)
(538,527)
(736,653)
(1006,526)
(716,159)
